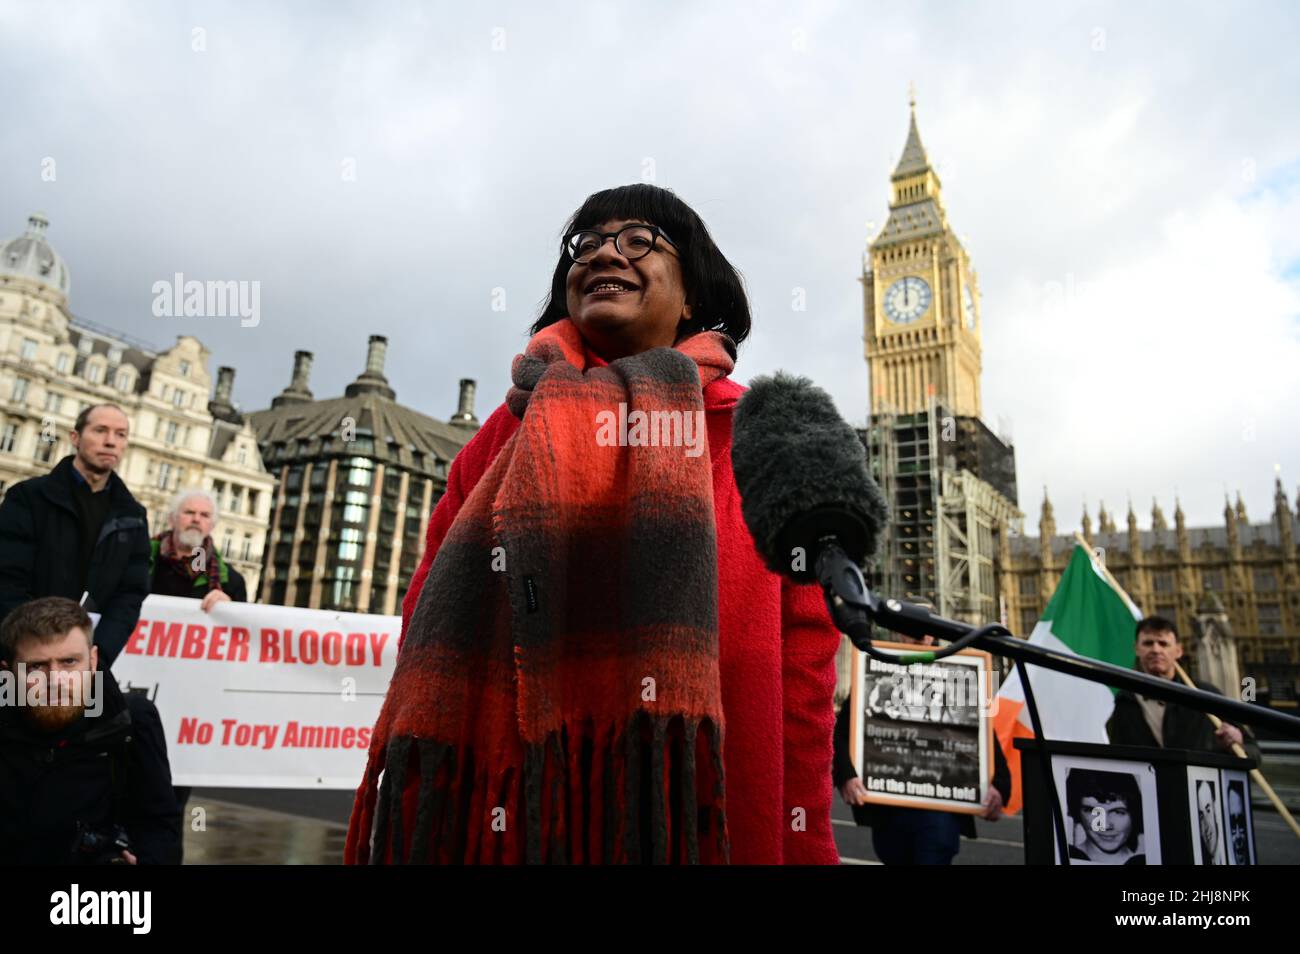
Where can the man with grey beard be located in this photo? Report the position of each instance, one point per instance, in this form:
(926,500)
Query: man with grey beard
(183,560)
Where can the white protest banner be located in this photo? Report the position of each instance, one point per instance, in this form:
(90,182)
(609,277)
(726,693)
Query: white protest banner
(256,696)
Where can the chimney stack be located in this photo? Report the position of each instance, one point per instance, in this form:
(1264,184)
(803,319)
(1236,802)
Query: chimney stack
(464,416)
(372,379)
(221,406)
(375,355)
(297,392)
(225,384)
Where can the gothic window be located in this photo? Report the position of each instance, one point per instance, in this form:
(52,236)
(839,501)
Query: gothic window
(1028,620)
(1265,581)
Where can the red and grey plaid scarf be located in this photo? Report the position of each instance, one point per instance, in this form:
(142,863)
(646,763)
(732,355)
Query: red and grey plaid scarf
(556,698)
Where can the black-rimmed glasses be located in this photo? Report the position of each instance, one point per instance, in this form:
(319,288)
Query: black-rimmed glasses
(632,242)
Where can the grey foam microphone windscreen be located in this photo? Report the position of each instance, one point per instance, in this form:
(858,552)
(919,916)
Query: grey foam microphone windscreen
(802,473)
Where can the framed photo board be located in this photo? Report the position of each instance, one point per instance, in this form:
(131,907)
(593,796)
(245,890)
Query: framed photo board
(921,735)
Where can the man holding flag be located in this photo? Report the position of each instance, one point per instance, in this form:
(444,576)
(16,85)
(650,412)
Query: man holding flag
(1138,720)
(1089,616)
(1086,617)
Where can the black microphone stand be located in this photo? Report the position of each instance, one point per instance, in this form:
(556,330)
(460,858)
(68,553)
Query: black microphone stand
(854,608)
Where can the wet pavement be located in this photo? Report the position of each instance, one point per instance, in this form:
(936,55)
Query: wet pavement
(223,832)
(308,827)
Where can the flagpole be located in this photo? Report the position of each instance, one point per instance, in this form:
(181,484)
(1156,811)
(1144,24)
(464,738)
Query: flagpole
(1237,750)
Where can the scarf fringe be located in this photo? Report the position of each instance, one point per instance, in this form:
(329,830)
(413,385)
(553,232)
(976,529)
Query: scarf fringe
(610,794)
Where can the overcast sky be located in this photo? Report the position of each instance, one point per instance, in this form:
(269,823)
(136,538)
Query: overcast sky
(1126,180)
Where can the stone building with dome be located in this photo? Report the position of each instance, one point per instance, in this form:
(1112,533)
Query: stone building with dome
(54,363)
(358,476)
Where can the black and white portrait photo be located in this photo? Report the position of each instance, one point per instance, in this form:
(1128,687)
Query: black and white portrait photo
(1236,808)
(1208,843)
(1110,811)
(1105,817)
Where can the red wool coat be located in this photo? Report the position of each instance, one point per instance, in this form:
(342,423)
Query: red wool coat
(777,660)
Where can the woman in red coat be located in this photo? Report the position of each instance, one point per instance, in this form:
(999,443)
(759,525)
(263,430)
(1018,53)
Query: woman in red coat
(655,693)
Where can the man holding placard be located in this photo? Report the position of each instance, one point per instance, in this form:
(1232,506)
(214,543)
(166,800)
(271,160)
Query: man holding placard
(902,834)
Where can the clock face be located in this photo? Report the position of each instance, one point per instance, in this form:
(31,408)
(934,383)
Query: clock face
(968,303)
(907,300)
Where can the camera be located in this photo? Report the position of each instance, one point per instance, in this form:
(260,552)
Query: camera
(100,846)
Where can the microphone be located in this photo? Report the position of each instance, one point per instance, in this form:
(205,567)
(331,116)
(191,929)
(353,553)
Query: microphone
(808,501)
(813,510)
(802,475)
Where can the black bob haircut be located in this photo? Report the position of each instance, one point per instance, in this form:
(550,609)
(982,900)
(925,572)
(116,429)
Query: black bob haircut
(714,289)
(1104,787)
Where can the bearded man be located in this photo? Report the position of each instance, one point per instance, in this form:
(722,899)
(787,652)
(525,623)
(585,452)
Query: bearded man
(183,560)
(84,777)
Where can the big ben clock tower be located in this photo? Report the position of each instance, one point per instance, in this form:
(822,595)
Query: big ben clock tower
(949,480)
(921,299)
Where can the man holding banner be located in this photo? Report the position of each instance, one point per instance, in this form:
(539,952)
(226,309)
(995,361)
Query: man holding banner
(906,835)
(184,561)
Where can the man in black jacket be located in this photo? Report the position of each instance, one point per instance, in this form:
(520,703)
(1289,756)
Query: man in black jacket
(911,836)
(1137,720)
(78,530)
(83,769)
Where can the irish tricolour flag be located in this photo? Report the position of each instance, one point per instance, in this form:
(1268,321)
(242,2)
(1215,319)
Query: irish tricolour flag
(1086,617)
